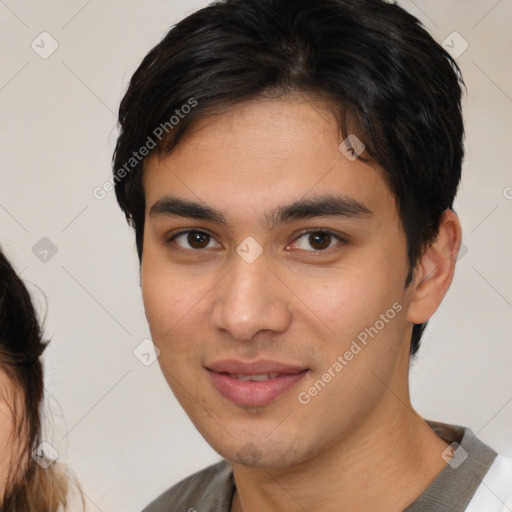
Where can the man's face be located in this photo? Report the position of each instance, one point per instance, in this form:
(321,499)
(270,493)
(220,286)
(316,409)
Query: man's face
(221,311)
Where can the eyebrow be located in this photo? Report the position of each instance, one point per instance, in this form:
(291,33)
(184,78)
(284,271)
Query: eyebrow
(321,206)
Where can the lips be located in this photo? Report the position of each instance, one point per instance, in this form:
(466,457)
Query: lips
(256,383)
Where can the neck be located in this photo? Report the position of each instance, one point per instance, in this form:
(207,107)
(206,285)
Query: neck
(385,464)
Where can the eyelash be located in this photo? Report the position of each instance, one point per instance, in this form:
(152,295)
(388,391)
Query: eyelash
(300,235)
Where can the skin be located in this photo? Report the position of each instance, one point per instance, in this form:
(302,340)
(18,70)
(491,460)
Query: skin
(358,442)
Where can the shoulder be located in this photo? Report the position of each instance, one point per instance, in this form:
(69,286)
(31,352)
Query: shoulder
(210,489)
(495,492)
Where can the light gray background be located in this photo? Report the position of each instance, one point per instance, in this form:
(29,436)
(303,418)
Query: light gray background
(114,420)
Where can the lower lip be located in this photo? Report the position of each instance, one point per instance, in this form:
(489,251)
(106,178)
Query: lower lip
(254,393)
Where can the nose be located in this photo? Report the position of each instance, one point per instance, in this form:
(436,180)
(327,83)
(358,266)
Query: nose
(250,299)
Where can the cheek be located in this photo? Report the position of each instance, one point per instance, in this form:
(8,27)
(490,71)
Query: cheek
(168,294)
(361,311)
(343,300)
(174,303)
(169,307)
(161,303)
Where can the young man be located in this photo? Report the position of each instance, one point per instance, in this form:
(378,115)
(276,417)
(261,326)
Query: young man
(289,168)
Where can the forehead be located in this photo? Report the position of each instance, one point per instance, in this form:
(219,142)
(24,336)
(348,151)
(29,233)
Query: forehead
(260,154)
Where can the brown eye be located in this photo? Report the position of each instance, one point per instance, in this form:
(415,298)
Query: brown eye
(193,239)
(198,240)
(317,241)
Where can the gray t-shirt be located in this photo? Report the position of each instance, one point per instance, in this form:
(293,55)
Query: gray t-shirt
(212,489)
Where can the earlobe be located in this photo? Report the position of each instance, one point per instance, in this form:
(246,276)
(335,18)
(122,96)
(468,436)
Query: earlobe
(435,271)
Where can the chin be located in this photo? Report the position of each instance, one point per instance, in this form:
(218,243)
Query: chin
(250,452)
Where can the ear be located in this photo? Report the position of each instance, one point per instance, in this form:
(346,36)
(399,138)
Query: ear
(434,273)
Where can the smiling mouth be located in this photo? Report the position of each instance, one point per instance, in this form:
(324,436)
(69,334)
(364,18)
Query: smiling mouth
(250,385)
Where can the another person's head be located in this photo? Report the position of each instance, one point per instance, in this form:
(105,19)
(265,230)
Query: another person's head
(25,483)
(348,107)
